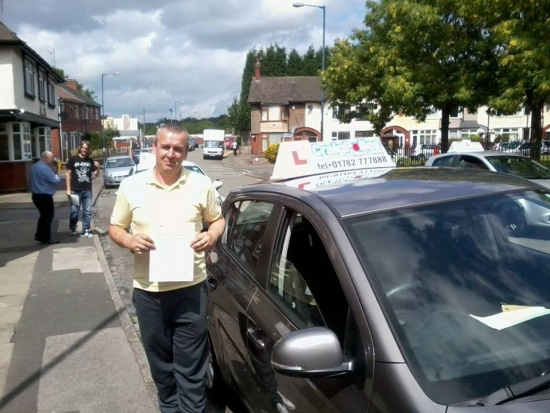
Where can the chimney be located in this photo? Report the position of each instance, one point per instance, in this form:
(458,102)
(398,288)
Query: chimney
(71,83)
(257,74)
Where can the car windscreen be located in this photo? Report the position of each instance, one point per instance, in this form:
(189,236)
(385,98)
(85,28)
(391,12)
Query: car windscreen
(519,166)
(120,163)
(194,168)
(213,144)
(468,302)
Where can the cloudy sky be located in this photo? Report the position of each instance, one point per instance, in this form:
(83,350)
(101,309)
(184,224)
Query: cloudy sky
(170,50)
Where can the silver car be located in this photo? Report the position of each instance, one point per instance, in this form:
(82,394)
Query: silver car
(116,169)
(522,213)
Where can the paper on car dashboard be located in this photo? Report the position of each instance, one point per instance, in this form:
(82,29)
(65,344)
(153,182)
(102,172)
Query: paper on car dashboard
(507,319)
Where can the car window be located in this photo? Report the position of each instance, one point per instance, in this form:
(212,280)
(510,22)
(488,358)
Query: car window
(466,161)
(520,166)
(451,276)
(303,279)
(120,163)
(443,161)
(246,236)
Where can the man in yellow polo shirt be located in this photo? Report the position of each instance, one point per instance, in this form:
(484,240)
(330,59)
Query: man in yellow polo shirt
(171,315)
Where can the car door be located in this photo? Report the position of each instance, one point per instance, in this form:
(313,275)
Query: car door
(301,290)
(231,267)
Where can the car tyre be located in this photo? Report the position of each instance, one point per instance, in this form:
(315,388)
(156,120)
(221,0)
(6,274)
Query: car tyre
(216,388)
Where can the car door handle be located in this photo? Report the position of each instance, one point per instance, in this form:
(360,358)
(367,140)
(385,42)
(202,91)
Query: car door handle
(253,334)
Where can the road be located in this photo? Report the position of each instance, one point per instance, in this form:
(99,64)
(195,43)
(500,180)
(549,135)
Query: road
(120,260)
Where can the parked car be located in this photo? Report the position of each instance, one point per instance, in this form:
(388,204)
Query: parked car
(390,294)
(526,214)
(194,142)
(423,151)
(116,169)
(196,168)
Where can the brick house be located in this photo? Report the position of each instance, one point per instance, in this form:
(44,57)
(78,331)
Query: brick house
(28,109)
(283,108)
(79,114)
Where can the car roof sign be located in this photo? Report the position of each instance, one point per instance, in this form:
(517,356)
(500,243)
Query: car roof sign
(302,158)
(465,145)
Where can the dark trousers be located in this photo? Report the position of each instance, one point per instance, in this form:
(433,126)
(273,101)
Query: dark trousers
(173,330)
(45,206)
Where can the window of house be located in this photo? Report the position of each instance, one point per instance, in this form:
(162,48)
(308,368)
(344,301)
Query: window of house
(77,112)
(41,85)
(96,114)
(43,139)
(65,145)
(246,236)
(4,143)
(340,109)
(456,112)
(511,133)
(467,133)
(51,94)
(29,78)
(21,141)
(364,133)
(427,136)
(273,113)
(86,112)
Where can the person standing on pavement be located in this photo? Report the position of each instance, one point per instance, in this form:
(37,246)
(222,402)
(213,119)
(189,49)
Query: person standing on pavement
(235,147)
(80,169)
(44,180)
(171,315)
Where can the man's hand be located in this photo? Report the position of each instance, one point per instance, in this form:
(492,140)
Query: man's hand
(203,241)
(139,243)
(69,193)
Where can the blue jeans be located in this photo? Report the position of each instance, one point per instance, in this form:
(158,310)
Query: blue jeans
(86,203)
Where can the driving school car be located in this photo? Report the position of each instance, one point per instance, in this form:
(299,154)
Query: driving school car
(380,289)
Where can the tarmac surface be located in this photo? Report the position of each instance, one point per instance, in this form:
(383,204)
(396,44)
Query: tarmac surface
(67,343)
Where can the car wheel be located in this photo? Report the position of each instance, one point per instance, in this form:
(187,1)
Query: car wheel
(216,388)
(203,157)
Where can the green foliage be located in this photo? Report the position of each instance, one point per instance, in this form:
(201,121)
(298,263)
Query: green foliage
(272,152)
(414,57)
(96,139)
(408,162)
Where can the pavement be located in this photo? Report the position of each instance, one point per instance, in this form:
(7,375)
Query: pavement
(67,343)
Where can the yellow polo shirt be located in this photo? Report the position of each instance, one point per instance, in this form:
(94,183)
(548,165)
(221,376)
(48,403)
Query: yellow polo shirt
(143,203)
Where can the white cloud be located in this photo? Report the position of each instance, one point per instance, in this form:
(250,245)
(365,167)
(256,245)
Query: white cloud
(171,50)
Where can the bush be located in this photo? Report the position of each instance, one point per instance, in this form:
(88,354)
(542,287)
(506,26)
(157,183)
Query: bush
(407,162)
(271,152)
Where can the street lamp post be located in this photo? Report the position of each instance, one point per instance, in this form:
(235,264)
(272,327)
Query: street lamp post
(298,5)
(103,113)
(175,111)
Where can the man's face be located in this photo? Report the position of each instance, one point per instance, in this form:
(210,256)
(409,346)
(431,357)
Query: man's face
(170,151)
(84,150)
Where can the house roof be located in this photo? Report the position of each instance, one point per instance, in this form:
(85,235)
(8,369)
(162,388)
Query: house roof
(68,93)
(283,90)
(8,37)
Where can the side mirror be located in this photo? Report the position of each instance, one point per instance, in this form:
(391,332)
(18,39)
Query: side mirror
(313,352)
(217,184)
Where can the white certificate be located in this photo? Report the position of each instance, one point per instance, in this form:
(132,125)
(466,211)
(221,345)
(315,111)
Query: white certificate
(172,259)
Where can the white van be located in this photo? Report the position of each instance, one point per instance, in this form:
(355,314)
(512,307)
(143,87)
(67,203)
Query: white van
(213,143)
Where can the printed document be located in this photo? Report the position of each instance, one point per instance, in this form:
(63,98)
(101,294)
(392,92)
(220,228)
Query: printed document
(172,259)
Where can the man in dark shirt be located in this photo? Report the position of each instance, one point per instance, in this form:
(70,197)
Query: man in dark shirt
(80,169)
(44,182)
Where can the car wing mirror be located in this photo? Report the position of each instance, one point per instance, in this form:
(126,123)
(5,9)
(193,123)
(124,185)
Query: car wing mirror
(218,184)
(313,352)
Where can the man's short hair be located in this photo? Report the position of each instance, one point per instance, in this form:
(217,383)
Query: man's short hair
(171,128)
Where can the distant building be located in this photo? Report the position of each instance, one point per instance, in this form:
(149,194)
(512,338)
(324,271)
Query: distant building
(28,109)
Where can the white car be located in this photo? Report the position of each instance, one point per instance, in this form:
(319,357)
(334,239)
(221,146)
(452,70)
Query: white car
(517,216)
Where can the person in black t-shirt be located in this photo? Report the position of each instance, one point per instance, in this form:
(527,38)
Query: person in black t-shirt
(80,169)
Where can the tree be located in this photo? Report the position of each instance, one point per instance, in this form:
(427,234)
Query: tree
(523,62)
(294,64)
(274,61)
(415,57)
(310,63)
